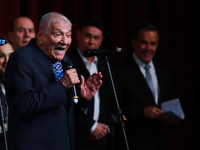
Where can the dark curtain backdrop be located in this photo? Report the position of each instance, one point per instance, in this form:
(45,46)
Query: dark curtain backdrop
(179,25)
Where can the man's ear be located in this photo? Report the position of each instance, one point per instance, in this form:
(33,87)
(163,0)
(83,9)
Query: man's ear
(39,34)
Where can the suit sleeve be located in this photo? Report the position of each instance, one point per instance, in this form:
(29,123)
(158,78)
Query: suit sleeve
(29,90)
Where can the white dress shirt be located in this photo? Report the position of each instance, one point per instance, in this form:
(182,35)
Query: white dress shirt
(92,68)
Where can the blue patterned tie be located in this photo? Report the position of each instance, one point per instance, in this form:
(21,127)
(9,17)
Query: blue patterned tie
(149,79)
(57,69)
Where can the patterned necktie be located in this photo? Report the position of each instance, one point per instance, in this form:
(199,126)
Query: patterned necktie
(57,69)
(149,79)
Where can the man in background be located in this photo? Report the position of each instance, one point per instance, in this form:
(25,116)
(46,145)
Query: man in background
(143,84)
(21,32)
(93,134)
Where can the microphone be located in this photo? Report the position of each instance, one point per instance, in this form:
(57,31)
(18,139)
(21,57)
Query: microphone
(3,42)
(68,65)
(94,52)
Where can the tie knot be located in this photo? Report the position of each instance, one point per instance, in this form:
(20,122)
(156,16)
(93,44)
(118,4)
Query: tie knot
(147,67)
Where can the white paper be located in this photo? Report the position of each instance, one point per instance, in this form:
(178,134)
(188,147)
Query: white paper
(172,109)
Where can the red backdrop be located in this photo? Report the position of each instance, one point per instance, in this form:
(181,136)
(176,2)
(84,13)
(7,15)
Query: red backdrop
(177,20)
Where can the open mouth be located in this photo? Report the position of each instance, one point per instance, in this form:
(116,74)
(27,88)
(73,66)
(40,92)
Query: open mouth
(59,49)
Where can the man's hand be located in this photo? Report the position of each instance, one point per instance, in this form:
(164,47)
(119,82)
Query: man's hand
(152,112)
(69,78)
(155,113)
(99,132)
(90,87)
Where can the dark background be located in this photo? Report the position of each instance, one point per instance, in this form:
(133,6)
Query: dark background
(178,21)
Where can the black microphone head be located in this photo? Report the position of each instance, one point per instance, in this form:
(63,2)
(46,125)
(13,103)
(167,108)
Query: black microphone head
(88,53)
(104,52)
(118,49)
(68,65)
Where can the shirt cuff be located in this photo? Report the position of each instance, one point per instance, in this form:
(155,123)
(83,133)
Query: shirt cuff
(93,127)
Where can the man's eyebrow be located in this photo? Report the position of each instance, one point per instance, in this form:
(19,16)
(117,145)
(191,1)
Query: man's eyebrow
(57,29)
(26,28)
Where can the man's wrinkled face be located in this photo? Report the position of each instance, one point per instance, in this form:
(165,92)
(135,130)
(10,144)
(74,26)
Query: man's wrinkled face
(145,45)
(56,40)
(23,32)
(90,37)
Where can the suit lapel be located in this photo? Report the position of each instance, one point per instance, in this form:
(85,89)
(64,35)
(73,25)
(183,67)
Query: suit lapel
(101,66)
(78,63)
(43,62)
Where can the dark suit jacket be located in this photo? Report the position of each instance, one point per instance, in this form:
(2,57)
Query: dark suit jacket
(107,103)
(135,95)
(40,112)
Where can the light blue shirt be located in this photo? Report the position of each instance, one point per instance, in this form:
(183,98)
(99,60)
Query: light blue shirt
(152,72)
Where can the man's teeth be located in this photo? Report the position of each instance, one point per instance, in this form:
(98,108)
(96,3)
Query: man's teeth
(59,50)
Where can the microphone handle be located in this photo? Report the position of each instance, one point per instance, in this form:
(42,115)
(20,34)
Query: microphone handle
(75,97)
(68,65)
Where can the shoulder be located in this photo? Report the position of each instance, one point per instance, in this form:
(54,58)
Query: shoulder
(161,67)
(27,51)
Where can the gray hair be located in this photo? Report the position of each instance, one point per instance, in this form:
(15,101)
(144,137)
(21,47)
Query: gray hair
(52,17)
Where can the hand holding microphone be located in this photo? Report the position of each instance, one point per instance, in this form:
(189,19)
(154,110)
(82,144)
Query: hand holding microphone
(70,78)
(88,88)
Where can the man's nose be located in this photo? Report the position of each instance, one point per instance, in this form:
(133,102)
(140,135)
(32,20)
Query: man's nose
(65,40)
(92,40)
(26,33)
(148,46)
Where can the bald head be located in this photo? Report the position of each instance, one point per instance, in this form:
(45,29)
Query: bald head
(21,32)
(54,17)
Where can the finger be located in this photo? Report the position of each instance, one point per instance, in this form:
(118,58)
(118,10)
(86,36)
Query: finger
(98,76)
(90,79)
(157,110)
(82,80)
(99,84)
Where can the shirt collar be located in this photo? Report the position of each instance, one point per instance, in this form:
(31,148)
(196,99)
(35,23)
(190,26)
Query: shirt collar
(140,63)
(95,60)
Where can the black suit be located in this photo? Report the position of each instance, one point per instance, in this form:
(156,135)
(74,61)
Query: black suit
(135,94)
(41,111)
(84,124)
